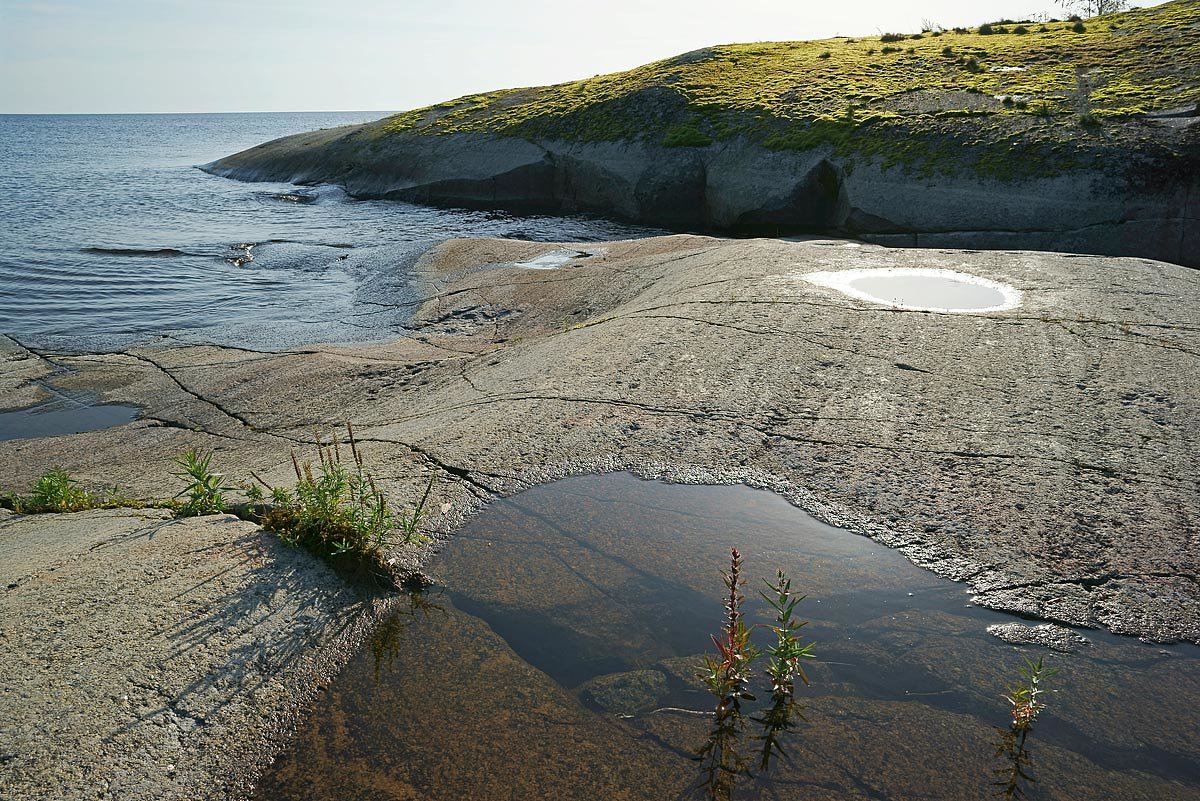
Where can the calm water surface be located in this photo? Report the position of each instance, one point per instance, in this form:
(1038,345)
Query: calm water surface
(63,416)
(111,237)
(557,660)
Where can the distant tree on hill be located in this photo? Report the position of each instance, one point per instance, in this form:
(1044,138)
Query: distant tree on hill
(1093,8)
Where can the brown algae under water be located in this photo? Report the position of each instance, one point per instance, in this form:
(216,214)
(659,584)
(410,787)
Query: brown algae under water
(557,658)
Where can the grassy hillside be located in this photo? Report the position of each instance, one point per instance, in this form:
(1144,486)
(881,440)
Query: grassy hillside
(1055,90)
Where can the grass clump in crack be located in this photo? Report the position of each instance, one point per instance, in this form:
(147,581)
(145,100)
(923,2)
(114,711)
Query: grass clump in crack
(57,491)
(54,491)
(337,511)
(203,493)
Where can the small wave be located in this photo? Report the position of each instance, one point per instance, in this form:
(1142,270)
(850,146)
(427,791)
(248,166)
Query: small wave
(242,255)
(334,245)
(294,197)
(135,251)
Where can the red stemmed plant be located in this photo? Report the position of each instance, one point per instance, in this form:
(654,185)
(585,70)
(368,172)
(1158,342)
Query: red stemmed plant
(728,675)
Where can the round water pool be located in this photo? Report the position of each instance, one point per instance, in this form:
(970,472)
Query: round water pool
(921,289)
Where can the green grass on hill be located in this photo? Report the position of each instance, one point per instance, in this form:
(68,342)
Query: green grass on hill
(1042,89)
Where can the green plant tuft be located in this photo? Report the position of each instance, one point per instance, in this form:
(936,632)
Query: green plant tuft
(786,654)
(204,487)
(728,675)
(1024,699)
(54,491)
(336,510)
(1041,108)
(1025,695)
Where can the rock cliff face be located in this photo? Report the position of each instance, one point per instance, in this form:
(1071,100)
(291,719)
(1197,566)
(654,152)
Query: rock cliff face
(1147,208)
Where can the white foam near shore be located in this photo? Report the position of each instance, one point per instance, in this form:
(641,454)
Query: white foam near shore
(921,289)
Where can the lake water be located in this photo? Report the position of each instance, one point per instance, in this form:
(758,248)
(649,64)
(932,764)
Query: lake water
(556,658)
(112,237)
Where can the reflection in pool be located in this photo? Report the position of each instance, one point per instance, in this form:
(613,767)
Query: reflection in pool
(557,659)
(921,289)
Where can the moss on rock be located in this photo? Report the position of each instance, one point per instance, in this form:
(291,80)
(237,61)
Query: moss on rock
(938,95)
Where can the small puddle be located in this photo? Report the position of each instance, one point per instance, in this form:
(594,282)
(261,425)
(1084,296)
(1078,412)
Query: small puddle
(64,414)
(921,289)
(555,259)
(557,660)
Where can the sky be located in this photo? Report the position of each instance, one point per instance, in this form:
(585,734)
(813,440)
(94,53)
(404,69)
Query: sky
(120,56)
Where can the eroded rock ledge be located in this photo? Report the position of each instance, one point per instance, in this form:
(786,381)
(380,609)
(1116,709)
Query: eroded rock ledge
(1142,206)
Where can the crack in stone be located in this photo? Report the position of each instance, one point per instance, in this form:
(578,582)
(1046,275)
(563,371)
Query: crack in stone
(1087,582)
(58,368)
(219,407)
(717,415)
(1155,342)
(721,415)
(164,423)
(1002,319)
(461,473)
(754,332)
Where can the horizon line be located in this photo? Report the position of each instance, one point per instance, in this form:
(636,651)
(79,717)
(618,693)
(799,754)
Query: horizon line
(146,113)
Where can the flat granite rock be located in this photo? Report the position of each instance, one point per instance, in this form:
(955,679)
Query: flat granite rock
(1046,455)
(151,658)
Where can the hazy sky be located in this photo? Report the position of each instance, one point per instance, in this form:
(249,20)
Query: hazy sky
(329,55)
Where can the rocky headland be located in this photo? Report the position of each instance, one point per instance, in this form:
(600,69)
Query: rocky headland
(1071,137)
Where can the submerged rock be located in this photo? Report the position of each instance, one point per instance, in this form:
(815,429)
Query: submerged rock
(1057,638)
(241,254)
(295,197)
(625,693)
